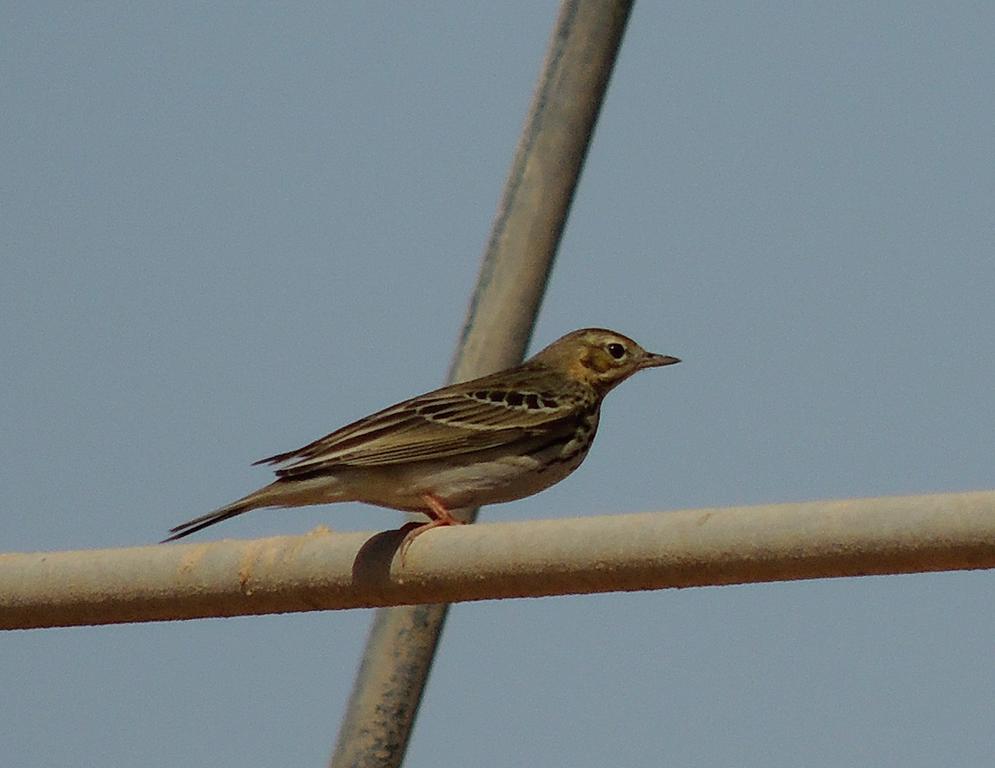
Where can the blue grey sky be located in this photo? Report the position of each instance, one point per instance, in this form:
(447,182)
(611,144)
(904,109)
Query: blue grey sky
(227,229)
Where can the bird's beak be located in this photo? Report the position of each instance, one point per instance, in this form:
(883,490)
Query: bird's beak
(652,360)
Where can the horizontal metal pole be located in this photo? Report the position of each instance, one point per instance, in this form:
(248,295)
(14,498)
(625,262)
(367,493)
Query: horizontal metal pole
(325,570)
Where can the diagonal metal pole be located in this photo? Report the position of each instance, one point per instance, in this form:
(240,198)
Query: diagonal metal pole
(519,256)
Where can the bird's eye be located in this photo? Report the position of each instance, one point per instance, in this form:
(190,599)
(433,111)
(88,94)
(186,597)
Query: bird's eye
(616,350)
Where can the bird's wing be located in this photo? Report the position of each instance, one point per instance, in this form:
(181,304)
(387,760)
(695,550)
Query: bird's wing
(445,423)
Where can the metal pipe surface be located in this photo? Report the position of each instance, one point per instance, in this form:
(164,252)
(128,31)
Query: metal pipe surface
(323,570)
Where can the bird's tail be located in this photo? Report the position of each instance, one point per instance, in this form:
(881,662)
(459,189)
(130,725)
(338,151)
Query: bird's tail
(268,496)
(202,522)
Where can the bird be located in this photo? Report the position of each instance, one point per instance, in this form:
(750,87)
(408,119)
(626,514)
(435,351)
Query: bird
(493,439)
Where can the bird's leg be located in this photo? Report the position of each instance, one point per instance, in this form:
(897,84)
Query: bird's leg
(438,512)
(438,517)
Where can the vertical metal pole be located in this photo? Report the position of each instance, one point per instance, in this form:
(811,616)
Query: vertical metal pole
(519,256)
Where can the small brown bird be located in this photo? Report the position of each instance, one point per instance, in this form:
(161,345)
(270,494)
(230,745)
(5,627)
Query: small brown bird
(497,438)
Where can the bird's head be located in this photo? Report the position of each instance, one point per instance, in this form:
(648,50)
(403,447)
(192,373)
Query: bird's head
(599,357)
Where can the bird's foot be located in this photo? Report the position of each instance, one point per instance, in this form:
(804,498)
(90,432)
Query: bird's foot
(439,517)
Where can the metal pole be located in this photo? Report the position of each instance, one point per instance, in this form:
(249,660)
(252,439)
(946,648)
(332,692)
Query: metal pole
(655,550)
(519,255)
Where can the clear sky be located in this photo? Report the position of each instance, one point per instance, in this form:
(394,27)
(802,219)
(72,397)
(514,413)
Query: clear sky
(228,229)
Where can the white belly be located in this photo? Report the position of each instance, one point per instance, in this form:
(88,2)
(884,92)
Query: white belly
(469,480)
(459,486)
